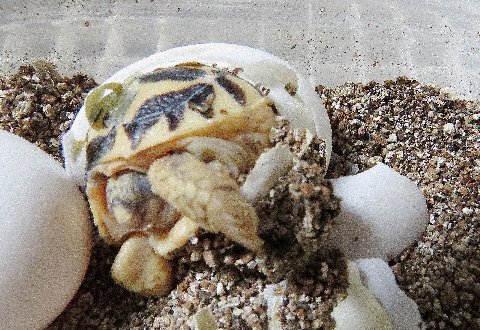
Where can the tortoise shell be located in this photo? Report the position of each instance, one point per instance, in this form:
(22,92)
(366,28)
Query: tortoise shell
(155,115)
(146,117)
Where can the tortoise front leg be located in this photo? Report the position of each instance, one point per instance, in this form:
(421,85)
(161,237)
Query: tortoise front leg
(206,195)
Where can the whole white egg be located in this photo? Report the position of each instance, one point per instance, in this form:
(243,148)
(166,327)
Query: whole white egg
(45,236)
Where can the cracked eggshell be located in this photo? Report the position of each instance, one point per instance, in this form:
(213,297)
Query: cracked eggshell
(45,236)
(269,167)
(374,300)
(303,110)
(274,297)
(360,310)
(380,280)
(382,212)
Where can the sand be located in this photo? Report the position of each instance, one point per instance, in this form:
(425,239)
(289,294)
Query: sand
(422,132)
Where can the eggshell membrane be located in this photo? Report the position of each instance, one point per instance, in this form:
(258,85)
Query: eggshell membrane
(303,110)
(45,236)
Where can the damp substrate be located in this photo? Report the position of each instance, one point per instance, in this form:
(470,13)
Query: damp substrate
(426,134)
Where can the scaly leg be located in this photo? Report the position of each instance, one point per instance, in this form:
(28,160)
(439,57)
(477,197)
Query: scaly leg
(208,196)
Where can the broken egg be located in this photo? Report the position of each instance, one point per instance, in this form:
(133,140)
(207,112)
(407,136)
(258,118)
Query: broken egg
(45,236)
(161,144)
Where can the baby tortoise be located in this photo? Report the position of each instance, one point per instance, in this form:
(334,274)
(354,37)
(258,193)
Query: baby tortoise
(164,153)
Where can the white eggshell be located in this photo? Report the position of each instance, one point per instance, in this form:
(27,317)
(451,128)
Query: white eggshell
(380,280)
(45,238)
(304,110)
(269,167)
(382,212)
(274,296)
(360,310)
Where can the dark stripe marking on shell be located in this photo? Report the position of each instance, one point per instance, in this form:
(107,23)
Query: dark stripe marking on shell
(175,73)
(98,147)
(232,88)
(172,106)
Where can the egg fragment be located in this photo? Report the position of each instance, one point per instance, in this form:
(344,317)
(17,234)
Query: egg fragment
(360,309)
(382,212)
(45,236)
(380,280)
(374,300)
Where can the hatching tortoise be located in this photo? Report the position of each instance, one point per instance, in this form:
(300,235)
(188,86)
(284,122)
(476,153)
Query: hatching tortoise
(160,149)
(163,155)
